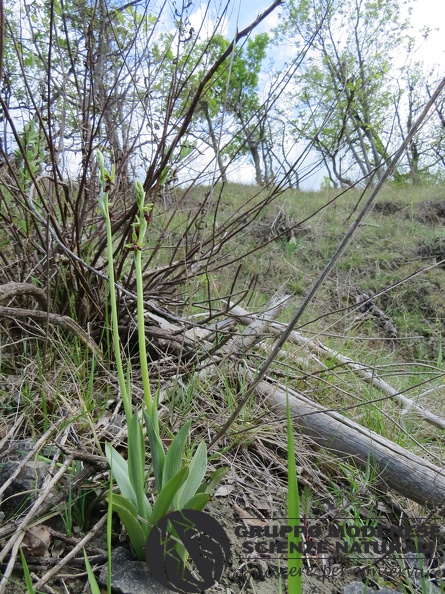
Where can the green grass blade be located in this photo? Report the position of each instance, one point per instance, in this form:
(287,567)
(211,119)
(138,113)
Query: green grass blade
(109,532)
(94,586)
(28,580)
(295,562)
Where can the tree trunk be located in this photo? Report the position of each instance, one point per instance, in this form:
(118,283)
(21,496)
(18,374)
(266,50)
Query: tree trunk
(215,144)
(253,147)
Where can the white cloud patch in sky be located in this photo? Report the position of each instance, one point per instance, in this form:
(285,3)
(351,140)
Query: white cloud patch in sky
(206,22)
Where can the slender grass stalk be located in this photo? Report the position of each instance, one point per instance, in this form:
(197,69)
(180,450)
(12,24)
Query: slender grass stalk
(94,586)
(295,562)
(109,531)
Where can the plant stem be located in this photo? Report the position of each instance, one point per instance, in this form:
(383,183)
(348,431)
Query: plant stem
(114,316)
(141,334)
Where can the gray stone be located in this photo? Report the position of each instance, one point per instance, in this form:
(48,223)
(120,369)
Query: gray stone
(360,588)
(354,588)
(25,487)
(129,576)
(17,450)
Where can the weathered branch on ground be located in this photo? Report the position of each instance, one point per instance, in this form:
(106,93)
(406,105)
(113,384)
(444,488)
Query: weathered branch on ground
(408,474)
(256,329)
(315,346)
(64,322)
(12,289)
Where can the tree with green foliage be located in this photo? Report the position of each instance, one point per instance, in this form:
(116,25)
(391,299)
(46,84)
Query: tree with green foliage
(241,98)
(424,157)
(343,96)
(229,116)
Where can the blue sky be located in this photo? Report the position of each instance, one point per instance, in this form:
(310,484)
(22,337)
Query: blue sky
(425,13)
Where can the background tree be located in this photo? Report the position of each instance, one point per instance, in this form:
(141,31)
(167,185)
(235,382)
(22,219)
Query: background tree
(424,156)
(342,90)
(229,117)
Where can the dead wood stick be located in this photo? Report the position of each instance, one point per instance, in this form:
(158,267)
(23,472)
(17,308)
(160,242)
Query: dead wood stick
(13,544)
(256,328)
(315,346)
(406,473)
(64,321)
(76,549)
(369,376)
(10,290)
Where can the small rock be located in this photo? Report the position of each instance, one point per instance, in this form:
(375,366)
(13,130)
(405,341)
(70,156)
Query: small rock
(25,488)
(129,576)
(354,588)
(360,588)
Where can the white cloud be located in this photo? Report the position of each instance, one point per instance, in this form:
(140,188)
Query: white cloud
(206,22)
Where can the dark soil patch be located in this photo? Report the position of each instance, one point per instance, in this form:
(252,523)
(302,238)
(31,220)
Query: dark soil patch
(431,212)
(386,207)
(433,249)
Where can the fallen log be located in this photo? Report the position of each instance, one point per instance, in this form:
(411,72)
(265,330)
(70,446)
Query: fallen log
(405,472)
(315,346)
(408,474)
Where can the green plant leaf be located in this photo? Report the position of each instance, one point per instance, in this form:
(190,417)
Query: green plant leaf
(28,580)
(198,501)
(173,459)
(164,500)
(94,586)
(156,449)
(214,480)
(136,466)
(294,563)
(186,149)
(128,515)
(119,467)
(197,471)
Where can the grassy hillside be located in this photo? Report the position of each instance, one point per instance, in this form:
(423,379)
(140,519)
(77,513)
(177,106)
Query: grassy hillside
(393,256)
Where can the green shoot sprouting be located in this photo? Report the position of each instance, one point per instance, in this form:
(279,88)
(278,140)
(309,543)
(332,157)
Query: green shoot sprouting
(295,562)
